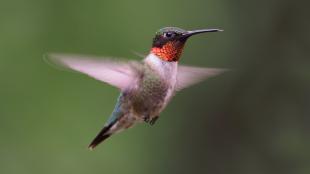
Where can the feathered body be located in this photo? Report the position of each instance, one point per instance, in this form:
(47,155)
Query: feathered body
(147,86)
(143,99)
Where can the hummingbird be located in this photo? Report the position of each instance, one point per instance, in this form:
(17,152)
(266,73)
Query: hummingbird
(147,86)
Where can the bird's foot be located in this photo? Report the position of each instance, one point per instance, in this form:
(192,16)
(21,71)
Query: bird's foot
(150,120)
(147,119)
(153,120)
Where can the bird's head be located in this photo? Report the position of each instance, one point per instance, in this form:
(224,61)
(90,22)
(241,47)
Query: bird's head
(169,42)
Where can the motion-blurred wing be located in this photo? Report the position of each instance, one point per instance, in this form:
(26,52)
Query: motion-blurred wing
(118,74)
(188,76)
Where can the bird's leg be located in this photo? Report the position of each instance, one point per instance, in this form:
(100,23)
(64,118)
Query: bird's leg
(147,118)
(153,120)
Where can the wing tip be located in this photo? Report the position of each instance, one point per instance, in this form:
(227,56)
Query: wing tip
(55,61)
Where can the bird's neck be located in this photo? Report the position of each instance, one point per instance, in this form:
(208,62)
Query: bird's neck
(166,69)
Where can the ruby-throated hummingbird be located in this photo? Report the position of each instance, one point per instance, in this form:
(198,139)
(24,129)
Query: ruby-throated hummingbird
(147,86)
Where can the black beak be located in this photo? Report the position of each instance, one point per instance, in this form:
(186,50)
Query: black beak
(194,32)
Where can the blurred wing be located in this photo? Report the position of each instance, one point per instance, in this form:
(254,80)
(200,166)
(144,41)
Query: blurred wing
(188,76)
(118,74)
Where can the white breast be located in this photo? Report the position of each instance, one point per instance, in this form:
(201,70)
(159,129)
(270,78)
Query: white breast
(168,72)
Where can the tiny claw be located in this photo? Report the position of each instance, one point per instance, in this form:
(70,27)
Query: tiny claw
(146,118)
(153,120)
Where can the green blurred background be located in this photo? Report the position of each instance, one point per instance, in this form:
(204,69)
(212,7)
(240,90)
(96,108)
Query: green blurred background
(252,120)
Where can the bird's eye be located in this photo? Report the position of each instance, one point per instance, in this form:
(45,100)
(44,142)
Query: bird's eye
(168,34)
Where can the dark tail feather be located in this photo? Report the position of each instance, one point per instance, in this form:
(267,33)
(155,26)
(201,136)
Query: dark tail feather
(102,135)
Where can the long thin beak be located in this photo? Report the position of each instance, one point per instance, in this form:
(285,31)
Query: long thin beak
(194,32)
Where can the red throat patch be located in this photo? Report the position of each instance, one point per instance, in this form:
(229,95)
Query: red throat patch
(170,52)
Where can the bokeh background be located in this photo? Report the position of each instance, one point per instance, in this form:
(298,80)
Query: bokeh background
(252,120)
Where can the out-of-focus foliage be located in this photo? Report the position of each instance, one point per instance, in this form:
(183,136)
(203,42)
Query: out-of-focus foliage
(252,120)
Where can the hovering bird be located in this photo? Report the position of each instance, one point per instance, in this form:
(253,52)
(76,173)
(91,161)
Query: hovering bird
(147,86)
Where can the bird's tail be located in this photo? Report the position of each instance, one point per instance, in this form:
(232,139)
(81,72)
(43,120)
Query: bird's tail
(101,136)
(109,128)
